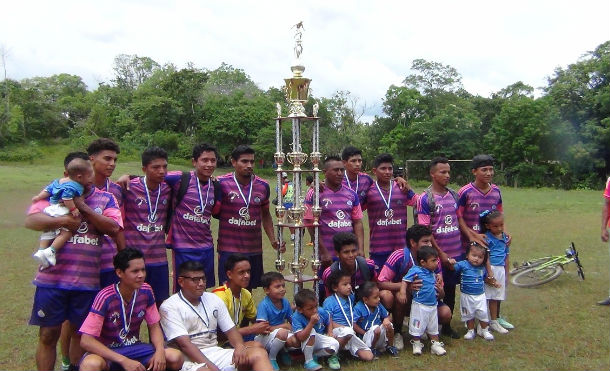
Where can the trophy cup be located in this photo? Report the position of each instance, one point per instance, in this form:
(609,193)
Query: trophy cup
(315,158)
(280,212)
(280,264)
(297,159)
(296,214)
(279,160)
(316,211)
(315,266)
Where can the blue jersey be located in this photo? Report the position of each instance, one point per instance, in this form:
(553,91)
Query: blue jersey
(473,278)
(299,322)
(365,318)
(340,309)
(498,249)
(267,311)
(64,191)
(426,295)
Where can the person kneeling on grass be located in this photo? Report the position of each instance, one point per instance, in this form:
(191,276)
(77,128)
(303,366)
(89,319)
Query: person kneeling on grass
(313,327)
(190,319)
(110,334)
(340,306)
(373,322)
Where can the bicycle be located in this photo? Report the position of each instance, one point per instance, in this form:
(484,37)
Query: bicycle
(542,270)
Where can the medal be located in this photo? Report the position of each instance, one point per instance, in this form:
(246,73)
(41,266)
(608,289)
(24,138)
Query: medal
(126,324)
(389,213)
(207,194)
(152,214)
(244,212)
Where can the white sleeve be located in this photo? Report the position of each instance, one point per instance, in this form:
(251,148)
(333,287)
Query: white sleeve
(224,320)
(172,323)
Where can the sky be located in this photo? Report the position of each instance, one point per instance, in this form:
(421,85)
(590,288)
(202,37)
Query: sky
(359,46)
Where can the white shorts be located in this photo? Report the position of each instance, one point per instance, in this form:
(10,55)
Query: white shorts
(382,342)
(499,273)
(222,358)
(354,344)
(423,319)
(322,344)
(54,210)
(473,306)
(266,340)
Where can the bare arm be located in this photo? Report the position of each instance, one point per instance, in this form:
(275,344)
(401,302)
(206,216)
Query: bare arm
(240,356)
(472,235)
(43,195)
(72,207)
(359,232)
(92,345)
(119,239)
(390,286)
(359,330)
(43,222)
(157,362)
(268,227)
(605,216)
(305,333)
(102,223)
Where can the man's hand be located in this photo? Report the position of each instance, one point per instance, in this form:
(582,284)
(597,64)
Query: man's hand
(75,213)
(440,291)
(276,245)
(605,235)
(123,181)
(416,284)
(261,327)
(240,356)
(129,364)
(157,362)
(478,238)
(403,185)
(401,297)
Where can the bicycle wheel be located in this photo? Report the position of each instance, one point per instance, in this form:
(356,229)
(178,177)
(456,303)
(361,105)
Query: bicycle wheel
(534,277)
(530,264)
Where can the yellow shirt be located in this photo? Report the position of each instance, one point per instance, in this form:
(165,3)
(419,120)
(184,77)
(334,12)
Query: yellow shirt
(238,308)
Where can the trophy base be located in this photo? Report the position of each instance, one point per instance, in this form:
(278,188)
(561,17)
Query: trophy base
(298,279)
(292,225)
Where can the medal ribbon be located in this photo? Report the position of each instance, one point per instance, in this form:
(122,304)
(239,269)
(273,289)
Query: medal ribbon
(195,310)
(387,203)
(207,194)
(351,313)
(126,324)
(247,202)
(152,213)
(236,310)
(367,325)
(349,184)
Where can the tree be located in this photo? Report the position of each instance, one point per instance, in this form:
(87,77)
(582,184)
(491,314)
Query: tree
(131,70)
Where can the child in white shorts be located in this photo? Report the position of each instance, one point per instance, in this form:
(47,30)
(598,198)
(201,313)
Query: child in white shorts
(373,321)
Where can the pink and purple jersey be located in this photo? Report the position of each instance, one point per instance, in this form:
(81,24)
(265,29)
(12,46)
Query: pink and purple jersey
(191,228)
(357,278)
(360,186)
(144,228)
(339,210)
(239,228)
(108,244)
(397,265)
(78,261)
(444,223)
(388,226)
(473,202)
(106,319)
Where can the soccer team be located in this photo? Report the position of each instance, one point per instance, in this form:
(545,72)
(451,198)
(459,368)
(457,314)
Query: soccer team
(110,271)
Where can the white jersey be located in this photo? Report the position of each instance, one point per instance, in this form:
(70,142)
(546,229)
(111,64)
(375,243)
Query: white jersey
(199,323)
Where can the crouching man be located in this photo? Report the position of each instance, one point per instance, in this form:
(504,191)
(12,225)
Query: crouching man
(190,318)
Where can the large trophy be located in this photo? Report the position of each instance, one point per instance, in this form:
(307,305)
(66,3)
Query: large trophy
(297,89)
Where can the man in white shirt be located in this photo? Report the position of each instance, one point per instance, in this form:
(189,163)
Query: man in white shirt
(189,320)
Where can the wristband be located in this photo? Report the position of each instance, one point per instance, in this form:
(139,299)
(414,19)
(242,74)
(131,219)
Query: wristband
(72,209)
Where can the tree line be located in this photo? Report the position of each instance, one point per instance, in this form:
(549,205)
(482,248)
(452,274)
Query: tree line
(561,138)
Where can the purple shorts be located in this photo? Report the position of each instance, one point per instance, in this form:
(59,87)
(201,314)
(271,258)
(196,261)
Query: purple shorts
(204,256)
(141,352)
(380,259)
(157,276)
(53,306)
(256,268)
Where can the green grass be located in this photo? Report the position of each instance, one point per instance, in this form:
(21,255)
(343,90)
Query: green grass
(559,327)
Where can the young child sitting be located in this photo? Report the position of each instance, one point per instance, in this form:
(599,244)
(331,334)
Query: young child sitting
(424,314)
(472,301)
(372,321)
(276,310)
(492,224)
(61,193)
(313,327)
(340,306)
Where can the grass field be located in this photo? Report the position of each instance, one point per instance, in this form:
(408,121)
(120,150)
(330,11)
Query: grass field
(559,327)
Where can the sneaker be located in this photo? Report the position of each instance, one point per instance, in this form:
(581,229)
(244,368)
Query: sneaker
(333,362)
(485,334)
(417,347)
(504,323)
(274,364)
(285,358)
(604,302)
(470,335)
(399,342)
(41,258)
(312,365)
(448,331)
(494,325)
(438,348)
(376,353)
(392,351)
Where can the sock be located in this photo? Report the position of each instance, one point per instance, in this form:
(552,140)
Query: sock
(308,353)
(276,346)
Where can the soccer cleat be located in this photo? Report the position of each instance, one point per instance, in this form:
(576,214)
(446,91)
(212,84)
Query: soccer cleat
(392,351)
(494,325)
(438,348)
(274,364)
(312,365)
(604,302)
(376,353)
(399,342)
(417,347)
(485,334)
(333,362)
(504,323)
(470,335)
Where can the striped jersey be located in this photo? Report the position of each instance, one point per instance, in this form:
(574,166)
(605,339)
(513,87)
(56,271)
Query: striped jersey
(191,228)
(339,209)
(143,230)
(397,265)
(108,244)
(473,202)
(356,280)
(78,261)
(107,321)
(239,228)
(444,223)
(361,185)
(388,225)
